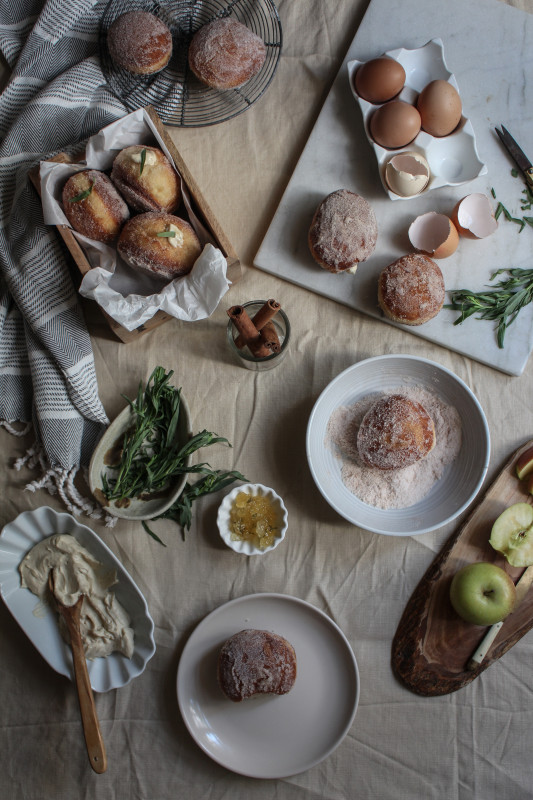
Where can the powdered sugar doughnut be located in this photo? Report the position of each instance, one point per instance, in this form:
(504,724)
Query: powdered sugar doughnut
(256,662)
(224,54)
(161,245)
(411,289)
(93,206)
(148,182)
(394,433)
(139,42)
(343,232)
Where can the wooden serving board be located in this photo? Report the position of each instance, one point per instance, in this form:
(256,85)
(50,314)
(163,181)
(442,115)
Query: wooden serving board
(432,644)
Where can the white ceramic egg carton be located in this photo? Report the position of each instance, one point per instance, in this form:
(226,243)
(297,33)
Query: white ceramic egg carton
(453,160)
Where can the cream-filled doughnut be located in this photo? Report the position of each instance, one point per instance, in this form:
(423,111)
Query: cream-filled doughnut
(159,244)
(93,206)
(146,179)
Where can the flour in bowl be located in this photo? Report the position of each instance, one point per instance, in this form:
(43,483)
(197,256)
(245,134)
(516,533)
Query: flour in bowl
(398,488)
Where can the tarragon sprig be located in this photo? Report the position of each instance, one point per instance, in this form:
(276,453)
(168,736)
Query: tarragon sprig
(500,304)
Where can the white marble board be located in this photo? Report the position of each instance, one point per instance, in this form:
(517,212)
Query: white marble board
(487,46)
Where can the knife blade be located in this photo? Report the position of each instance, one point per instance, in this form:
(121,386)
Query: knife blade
(517,154)
(522,588)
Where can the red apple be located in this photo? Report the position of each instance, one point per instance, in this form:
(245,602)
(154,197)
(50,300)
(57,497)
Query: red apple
(524,463)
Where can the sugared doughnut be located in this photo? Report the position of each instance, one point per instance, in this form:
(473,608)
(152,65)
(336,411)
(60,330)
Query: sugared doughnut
(411,289)
(139,42)
(256,662)
(224,54)
(394,433)
(93,206)
(343,231)
(159,244)
(146,179)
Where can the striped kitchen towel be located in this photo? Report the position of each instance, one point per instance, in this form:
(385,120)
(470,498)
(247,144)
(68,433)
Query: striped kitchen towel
(56,96)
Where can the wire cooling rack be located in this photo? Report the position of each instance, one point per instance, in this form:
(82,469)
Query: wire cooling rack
(179,98)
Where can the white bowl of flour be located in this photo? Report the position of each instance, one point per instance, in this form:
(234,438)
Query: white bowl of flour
(423,496)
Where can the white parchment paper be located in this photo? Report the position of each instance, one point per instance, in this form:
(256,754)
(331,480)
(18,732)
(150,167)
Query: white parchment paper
(129,297)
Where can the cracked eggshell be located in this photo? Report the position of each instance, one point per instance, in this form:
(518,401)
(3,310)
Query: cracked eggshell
(407,174)
(434,234)
(473,216)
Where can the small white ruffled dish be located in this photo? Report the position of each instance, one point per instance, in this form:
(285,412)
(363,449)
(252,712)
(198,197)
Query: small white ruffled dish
(245,546)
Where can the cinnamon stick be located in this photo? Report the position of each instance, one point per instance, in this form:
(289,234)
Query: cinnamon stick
(260,319)
(269,336)
(250,335)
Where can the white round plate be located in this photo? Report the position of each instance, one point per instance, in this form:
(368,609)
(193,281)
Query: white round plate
(270,736)
(39,621)
(462,479)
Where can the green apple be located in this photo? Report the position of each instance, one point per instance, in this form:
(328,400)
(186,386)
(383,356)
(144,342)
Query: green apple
(524,463)
(512,534)
(482,593)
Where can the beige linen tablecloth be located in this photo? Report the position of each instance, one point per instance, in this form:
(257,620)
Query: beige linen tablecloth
(473,743)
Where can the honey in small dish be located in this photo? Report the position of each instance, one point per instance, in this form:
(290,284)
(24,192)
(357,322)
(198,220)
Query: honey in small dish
(253,518)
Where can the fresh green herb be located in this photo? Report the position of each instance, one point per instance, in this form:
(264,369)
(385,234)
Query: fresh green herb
(526,203)
(500,208)
(181,510)
(501,304)
(143,160)
(82,195)
(166,234)
(151,455)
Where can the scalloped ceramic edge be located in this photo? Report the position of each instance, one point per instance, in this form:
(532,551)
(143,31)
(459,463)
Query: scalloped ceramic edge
(452,494)
(453,160)
(246,547)
(137,509)
(39,622)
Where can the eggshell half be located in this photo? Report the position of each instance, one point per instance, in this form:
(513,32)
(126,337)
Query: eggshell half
(473,216)
(407,174)
(434,234)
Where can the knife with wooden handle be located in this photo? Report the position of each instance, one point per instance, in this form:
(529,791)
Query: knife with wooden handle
(522,588)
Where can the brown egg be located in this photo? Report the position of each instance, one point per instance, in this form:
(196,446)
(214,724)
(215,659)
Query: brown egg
(395,124)
(379,80)
(440,108)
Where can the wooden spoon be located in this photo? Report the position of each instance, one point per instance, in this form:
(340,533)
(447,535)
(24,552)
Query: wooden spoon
(89,718)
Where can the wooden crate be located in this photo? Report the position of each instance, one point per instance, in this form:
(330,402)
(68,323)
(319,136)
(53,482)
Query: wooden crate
(201,209)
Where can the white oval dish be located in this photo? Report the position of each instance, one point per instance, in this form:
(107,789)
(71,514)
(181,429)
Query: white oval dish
(270,736)
(39,622)
(245,547)
(138,509)
(453,160)
(462,479)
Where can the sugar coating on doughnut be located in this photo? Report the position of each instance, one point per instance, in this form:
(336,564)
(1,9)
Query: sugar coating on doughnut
(343,231)
(411,290)
(166,257)
(224,54)
(256,662)
(102,213)
(152,186)
(394,433)
(139,42)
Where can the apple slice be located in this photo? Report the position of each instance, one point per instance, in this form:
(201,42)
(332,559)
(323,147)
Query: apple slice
(512,534)
(524,464)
